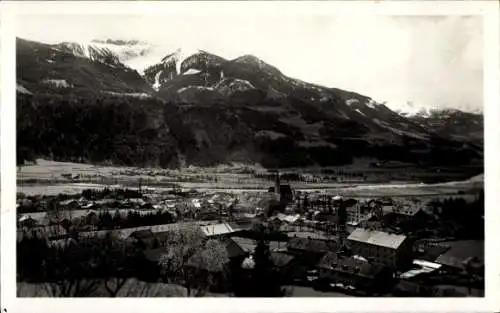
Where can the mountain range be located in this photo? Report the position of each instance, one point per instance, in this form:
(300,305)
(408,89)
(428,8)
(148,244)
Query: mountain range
(213,110)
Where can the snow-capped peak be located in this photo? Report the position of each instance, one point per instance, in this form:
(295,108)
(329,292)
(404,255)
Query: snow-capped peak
(412,110)
(137,55)
(94,52)
(179,56)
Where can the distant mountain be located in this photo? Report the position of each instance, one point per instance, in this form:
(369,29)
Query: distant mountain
(453,123)
(91,52)
(70,67)
(207,110)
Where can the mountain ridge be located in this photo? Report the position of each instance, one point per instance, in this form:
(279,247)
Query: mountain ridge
(225,110)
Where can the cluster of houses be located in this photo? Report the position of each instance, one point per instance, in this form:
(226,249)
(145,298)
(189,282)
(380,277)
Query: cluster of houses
(366,262)
(45,211)
(321,240)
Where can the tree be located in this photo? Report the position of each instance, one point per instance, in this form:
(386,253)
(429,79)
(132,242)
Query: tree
(116,262)
(69,272)
(206,266)
(264,280)
(181,245)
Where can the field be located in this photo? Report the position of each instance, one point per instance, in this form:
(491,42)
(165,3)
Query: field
(46,177)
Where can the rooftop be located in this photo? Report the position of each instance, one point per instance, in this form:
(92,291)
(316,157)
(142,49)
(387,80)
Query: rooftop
(233,248)
(377,238)
(462,252)
(248,245)
(332,261)
(420,267)
(281,259)
(313,245)
(217,229)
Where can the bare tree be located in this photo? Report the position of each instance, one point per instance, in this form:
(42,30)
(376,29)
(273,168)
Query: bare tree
(207,266)
(187,255)
(115,262)
(181,246)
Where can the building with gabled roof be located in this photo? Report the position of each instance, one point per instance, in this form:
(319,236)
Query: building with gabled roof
(391,249)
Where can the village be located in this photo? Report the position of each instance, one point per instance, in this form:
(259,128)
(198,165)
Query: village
(316,242)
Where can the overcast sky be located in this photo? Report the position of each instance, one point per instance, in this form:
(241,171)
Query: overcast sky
(430,61)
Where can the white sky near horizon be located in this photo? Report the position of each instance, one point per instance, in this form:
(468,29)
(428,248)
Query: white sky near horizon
(430,61)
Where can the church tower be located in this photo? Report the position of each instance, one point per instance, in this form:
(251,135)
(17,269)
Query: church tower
(277,185)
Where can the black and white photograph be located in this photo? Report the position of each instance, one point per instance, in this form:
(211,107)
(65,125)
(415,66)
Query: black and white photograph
(267,153)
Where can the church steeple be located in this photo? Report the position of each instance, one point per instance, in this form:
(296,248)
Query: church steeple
(277,184)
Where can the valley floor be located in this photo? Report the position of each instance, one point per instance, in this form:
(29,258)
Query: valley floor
(51,178)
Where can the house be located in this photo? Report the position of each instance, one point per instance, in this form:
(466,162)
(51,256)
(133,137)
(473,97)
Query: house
(350,271)
(420,267)
(235,252)
(409,218)
(281,259)
(249,245)
(464,256)
(304,245)
(395,251)
(310,250)
(70,204)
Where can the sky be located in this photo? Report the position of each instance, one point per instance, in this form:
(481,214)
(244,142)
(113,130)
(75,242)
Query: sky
(428,61)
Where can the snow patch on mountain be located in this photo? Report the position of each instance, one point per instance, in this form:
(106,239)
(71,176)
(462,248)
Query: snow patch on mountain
(350,102)
(357,110)
(157,85)
(410,109)
(178,57)
(59,83)
(191,71)
(22,89)
(372,104)
(199,88)
(128,94)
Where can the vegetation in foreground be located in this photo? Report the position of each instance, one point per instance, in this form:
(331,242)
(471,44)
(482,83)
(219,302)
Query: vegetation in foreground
(102,267)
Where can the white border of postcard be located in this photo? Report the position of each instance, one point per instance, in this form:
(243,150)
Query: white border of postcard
(488,9)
